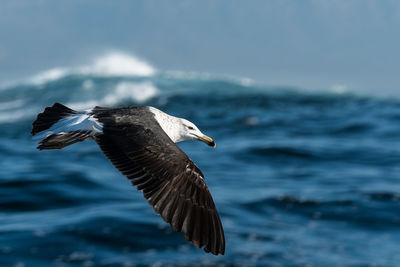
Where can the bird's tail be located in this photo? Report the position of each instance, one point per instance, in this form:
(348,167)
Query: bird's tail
(59,126)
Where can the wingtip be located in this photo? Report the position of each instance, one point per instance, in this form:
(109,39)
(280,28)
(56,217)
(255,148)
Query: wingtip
(215,253)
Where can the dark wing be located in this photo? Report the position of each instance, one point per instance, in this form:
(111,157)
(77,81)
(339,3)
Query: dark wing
(171,182)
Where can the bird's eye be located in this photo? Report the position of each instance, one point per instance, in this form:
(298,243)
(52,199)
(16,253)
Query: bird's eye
(190,128)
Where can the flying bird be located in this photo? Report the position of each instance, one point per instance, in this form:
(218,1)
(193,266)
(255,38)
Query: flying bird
(140,142)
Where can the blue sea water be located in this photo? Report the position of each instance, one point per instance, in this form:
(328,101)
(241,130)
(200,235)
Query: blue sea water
(299,178)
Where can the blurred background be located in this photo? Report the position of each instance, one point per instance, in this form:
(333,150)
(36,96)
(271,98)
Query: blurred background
(302,98)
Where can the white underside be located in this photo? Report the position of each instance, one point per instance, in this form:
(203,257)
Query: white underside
(76,122)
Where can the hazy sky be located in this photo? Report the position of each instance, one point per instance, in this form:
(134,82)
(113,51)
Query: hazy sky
(312,44)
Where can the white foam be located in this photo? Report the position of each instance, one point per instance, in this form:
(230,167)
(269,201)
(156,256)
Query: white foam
(114,63)
(12,104)
(118,64)
(88,84)
(15,115)
(247,82)
(49,76)
(137,92)
(339,88)
(14,110)
(243,81)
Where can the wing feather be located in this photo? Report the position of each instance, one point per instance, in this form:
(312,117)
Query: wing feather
(170,181)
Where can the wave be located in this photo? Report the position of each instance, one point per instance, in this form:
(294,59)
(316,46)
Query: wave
(12,104)
(113,64)
(124,91)
(367,210)
(49,76)
(205,76)
(16,115)
(121,92)
(119,78)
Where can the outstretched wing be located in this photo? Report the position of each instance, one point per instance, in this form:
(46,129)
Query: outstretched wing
(170,181)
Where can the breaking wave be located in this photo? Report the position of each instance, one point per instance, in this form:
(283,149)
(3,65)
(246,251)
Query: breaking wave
(119,78)
(112,64)
(124,91)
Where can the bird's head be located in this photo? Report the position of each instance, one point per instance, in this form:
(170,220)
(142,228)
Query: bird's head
(189,131)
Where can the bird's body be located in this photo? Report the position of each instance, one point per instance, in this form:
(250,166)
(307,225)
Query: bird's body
(140,143)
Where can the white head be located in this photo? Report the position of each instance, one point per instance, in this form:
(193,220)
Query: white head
(189,131)
(180,129)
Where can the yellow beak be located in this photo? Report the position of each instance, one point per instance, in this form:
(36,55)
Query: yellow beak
(208,140)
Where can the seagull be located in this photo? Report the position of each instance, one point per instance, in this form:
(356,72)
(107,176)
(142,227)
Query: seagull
(140,141)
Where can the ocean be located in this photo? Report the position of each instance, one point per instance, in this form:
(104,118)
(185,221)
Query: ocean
(300,178)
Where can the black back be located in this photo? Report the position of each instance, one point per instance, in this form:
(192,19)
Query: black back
(138,147)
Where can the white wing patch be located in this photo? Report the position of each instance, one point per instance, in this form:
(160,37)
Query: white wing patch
(77,122)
